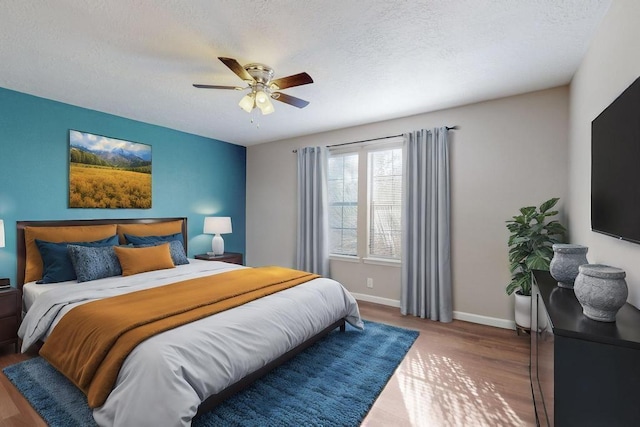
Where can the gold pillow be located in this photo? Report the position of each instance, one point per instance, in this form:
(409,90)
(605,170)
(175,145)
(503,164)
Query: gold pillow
(71,233)
(156,229)
(139,260)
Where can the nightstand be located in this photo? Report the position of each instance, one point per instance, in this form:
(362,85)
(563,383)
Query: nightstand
(9,316)
(230,257)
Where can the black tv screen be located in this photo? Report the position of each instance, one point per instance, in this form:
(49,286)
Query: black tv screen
(615,167)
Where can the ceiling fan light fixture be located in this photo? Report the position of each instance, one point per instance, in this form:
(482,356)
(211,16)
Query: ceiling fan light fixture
(264,103)
(261,97)
(268,109)
(262,85)
(247,102)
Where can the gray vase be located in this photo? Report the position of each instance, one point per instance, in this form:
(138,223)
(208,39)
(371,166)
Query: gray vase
(601,290)
(565,262)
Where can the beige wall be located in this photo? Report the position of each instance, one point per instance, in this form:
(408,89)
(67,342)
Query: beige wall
(611,64)
(507,153)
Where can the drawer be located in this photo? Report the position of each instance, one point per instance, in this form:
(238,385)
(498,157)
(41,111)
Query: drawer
(8,303)
(236,259)
(8,328)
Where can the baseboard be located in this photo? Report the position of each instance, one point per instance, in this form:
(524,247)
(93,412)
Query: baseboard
(467,317)
(377,300)
(484,320)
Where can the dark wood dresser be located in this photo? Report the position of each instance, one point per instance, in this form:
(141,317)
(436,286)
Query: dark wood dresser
(9,316)
(583,372)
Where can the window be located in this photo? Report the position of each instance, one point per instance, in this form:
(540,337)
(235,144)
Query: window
(385,203)
(365,201)
(343,204)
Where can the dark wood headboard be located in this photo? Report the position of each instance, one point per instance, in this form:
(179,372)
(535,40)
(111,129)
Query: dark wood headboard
(63,223)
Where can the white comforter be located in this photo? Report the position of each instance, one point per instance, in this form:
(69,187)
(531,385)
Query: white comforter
(164,380)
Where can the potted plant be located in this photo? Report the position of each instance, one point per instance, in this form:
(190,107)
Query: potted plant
(533,234)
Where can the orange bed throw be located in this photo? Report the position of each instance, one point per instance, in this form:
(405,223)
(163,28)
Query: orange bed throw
(92,341)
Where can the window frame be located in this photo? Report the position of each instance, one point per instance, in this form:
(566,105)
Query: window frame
(363,149)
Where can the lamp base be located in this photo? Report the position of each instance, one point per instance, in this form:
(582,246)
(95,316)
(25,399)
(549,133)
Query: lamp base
(217,245)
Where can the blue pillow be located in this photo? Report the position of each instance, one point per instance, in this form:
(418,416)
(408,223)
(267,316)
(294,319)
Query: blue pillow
(175,248)
(56,263)
(152,240)
(94,262)
(177,252)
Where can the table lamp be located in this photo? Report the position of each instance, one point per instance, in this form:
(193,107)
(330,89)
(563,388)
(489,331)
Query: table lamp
(1,233)
(217,225)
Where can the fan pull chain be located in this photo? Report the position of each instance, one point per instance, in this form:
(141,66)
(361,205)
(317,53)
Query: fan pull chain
(256,121)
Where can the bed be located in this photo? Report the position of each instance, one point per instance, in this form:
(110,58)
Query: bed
(189,369)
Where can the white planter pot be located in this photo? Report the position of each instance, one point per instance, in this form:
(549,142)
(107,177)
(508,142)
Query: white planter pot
(523,310)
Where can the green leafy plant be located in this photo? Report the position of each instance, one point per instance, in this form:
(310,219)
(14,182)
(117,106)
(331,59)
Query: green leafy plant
(533,234)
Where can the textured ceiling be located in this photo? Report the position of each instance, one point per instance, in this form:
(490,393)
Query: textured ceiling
(370,60)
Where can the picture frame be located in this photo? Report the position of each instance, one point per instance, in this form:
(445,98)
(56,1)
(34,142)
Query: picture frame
(108,173)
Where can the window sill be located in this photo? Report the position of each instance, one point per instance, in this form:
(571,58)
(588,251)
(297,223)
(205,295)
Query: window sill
(345,258)
(373,261)
(383,261)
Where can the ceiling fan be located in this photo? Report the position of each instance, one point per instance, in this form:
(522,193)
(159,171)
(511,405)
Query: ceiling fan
(259,78)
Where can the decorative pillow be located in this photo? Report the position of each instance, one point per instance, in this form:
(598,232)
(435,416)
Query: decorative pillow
(94,262)
(72,233)
(57,265)
(176,249)
(177,253)
(140,260)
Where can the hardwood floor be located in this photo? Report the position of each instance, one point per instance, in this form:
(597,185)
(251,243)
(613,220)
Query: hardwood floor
(14,409)
(456,374)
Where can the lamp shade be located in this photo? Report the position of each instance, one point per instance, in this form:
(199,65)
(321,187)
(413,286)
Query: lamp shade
(264,103)
(217,225)
(1,233)
(247,102)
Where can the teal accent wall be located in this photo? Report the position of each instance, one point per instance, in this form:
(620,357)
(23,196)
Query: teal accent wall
(193,176)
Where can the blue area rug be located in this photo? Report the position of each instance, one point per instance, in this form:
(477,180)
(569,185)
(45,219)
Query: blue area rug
(332,383)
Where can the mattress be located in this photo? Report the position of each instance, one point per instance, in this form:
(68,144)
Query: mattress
(32,290)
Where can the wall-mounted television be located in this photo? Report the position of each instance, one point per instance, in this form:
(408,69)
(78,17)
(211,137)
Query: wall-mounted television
(615,167)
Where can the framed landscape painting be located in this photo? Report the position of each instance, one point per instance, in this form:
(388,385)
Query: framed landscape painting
(108,173)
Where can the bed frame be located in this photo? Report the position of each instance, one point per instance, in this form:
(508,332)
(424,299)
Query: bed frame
(211,401)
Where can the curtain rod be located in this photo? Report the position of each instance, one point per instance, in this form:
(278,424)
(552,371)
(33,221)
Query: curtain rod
(375,139)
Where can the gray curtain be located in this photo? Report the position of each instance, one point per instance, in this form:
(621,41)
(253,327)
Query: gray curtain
(313,224)
(426,245)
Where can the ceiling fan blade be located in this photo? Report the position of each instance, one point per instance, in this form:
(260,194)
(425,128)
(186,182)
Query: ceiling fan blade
(217,87)
(291,81)
(236,68)
(288,99)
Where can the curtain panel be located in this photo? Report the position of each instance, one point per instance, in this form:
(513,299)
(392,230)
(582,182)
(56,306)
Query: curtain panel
(312,247)
(426,247)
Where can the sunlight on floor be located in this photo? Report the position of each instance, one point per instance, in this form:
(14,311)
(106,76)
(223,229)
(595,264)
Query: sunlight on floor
(437,392)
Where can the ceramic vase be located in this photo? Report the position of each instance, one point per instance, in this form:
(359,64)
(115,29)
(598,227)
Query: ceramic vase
(565,262)
(601,290)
